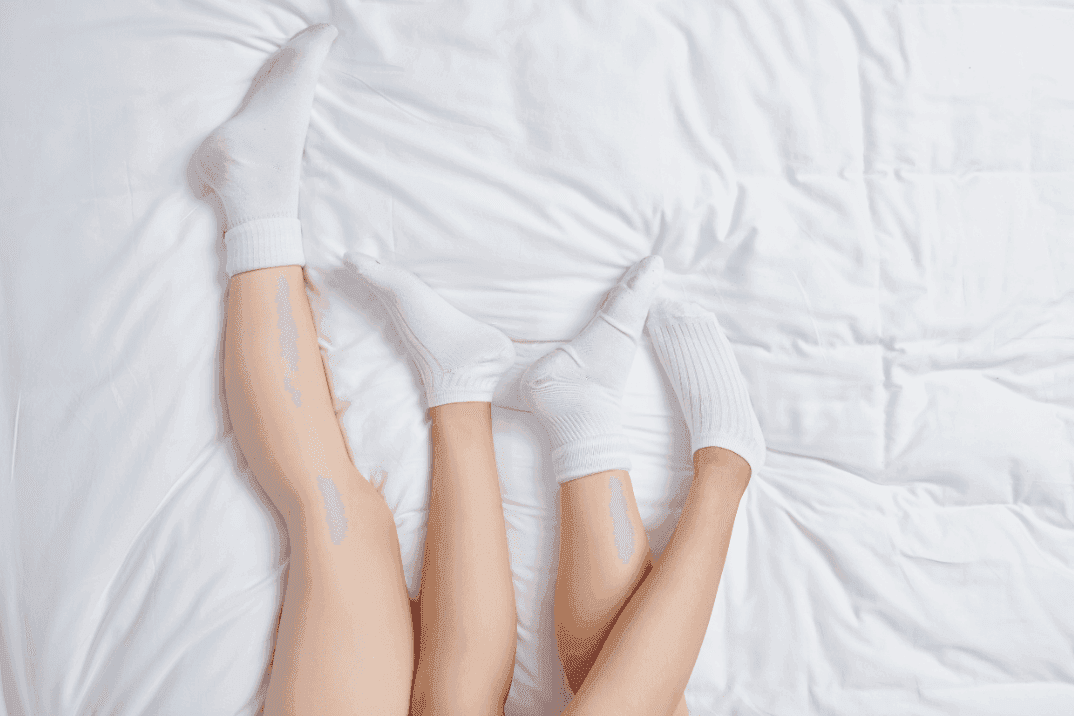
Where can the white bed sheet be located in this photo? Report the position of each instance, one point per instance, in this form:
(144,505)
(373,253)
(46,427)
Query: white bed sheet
(876,198)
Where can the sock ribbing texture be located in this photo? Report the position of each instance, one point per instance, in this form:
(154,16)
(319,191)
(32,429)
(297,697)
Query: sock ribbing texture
(458,358)
(252,161)
(582,415)
(576,391)
(262,243)
(705,375)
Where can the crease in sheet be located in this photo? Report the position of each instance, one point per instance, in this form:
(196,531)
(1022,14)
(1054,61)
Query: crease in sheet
(87,647)
(809,307)
(15,440)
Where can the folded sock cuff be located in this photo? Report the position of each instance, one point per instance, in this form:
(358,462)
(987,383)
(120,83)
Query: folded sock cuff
(264,243)
(589,455)
(459,394)
(475,386)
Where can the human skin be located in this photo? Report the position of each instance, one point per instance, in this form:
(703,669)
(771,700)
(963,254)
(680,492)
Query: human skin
(664,621)
(345,642)
(345,634)
(468,620)
(604,555)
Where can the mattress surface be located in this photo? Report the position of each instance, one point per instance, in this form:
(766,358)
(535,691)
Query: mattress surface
(876,198)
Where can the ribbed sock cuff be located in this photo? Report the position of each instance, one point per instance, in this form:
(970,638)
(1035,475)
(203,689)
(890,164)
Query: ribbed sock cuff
(464,387)
(586,456)
(264,243)
(459,394)
(702,368)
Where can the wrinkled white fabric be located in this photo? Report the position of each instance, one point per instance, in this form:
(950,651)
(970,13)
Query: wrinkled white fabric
(252,162)
(701,366)
(875,198)
(576,391)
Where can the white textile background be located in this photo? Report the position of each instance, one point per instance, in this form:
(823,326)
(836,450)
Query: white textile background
(875,197)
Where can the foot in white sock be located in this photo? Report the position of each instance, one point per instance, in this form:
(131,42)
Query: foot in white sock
(577,389)
(252,161)
(705,375)
(459,359)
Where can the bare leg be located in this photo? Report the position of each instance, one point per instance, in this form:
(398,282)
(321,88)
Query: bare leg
(604,556)
(647,658)
(576,390)
(344,644)
(467,600)
(467,607)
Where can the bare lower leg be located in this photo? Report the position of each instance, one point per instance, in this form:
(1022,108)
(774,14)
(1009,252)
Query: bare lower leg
(576,391)
(467,600)
(344,644)
(647,658)
(604,556)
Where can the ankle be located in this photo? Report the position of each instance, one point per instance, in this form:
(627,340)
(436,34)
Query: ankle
(465,416)
(715,464)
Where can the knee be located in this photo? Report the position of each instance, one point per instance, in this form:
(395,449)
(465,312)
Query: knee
(347,504)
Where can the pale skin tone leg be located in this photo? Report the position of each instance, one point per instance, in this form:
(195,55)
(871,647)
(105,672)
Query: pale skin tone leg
(664,622)
(345,643)
(467,600)
(604,555)
(345,635)
(345,630)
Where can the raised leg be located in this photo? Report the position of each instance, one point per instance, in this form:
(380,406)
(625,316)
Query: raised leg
(468,634)
(647,658)
(467,610)
(345,643)
(603,557)
(577,392)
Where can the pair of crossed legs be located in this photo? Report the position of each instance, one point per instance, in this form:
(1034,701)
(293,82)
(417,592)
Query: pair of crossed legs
(629,630)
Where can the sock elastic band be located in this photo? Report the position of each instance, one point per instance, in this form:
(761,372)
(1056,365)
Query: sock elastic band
(264,243)
(589,455)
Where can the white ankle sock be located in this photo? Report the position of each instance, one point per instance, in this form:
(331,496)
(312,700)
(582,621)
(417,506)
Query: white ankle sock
(459,359)
(577,390)
(705,375)
(252,161)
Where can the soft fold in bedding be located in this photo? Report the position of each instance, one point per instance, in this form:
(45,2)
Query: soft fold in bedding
(875,198)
